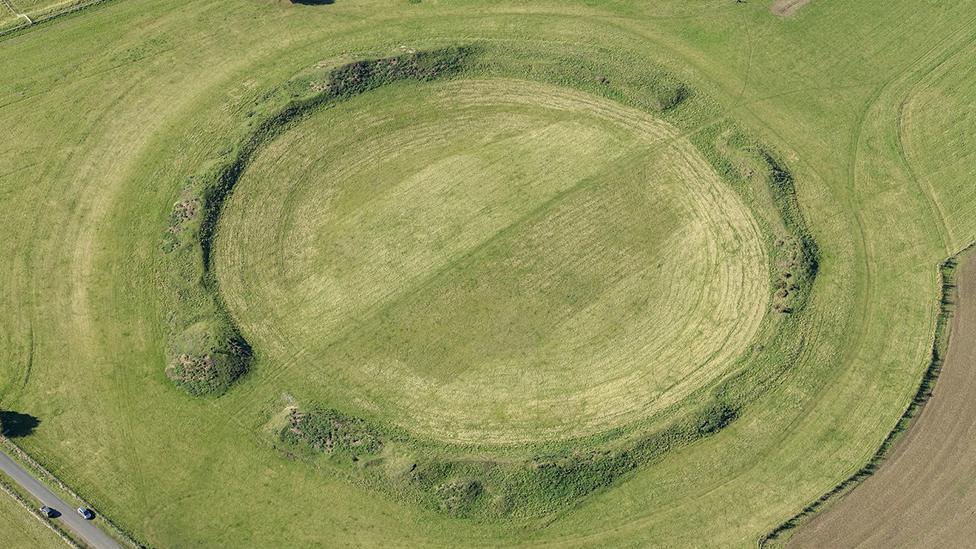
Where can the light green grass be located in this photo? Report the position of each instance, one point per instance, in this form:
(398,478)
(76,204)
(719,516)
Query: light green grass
(21,529)
(489,268)
(108,128)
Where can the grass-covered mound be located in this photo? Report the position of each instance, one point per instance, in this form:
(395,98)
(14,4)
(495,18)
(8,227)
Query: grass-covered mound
(206,353)
(207,357)
(469,486)
(538,476)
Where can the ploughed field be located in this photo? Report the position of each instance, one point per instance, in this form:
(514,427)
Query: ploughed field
(922,495)
(450,273)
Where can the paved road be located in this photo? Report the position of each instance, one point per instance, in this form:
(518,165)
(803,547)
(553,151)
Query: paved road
(85,530)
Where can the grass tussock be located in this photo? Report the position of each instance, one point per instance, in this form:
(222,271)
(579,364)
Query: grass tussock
(329,431)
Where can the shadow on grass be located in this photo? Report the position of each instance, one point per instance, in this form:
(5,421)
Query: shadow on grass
(17,425)
(312,2)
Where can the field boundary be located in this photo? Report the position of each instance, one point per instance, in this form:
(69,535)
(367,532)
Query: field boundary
(940,342)
(44,15)
(43,474)
(22,501)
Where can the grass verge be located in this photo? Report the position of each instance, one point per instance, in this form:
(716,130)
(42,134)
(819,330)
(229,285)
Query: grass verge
(59,487)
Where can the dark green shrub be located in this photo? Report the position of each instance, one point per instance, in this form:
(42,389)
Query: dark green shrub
(715,417)
(457,497)
(207,357)
(329,431)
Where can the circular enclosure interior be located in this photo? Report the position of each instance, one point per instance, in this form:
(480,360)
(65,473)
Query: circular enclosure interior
(491,262)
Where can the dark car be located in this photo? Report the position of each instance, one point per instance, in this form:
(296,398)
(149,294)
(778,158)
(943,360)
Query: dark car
(86,513)
(49,512)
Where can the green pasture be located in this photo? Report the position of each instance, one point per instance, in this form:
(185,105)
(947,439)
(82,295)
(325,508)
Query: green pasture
(395,255)
(496,277)
(18,14)
(21,530)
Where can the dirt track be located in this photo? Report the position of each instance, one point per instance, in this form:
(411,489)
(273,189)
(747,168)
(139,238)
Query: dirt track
(785,8)
(924,494)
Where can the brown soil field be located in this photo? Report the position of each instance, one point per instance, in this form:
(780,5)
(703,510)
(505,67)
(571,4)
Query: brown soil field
(924,493)
(785,8)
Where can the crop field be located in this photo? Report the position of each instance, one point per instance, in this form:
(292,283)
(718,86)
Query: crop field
(455,273)
(925,486)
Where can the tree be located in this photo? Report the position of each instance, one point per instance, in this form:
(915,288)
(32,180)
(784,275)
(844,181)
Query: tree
(14,424)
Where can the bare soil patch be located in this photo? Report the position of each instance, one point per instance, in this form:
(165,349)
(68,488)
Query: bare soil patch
(786,8)
(924,494)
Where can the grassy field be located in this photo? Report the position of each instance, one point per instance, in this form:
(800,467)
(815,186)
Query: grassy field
(486,311)
(325,251)
(21,530)
(19,14)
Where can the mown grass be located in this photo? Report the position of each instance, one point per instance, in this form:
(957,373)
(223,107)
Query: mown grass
(206,354)
(556,478)
(109,128)
(778,536)
(21,529)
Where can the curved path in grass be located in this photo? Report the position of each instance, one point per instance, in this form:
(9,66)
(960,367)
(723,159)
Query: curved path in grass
(924,494)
